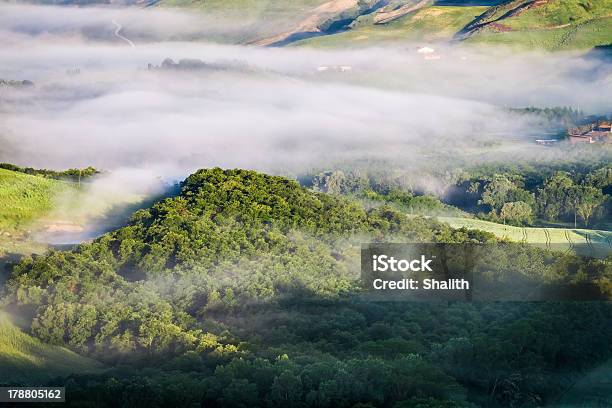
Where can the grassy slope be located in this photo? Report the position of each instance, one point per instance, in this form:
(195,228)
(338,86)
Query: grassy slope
(548,14)
(24,359)
(552,25)
(556,25)
(428,24)
(34,203)
(583,36)
(24,197)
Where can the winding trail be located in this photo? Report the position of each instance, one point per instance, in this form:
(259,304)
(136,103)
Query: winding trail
(118,34)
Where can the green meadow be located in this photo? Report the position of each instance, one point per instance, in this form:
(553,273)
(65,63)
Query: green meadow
(600,241)
(24,197)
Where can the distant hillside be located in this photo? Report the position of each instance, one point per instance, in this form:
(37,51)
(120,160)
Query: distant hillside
(259,18)
(27,360)
(542,14)
(531,24)
(527,24)
(433,23)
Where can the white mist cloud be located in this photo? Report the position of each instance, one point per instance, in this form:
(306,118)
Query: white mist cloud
(18,22)
(278,114)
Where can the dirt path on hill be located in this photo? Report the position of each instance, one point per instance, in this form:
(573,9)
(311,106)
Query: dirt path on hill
(62,227)
(117,34)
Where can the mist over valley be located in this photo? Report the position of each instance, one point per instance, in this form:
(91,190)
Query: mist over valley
(188,191)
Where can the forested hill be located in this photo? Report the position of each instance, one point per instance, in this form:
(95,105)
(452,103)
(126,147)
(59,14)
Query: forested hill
(240,292)
(229,235)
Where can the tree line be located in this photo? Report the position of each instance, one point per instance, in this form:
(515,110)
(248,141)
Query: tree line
(580,196)
(74,175)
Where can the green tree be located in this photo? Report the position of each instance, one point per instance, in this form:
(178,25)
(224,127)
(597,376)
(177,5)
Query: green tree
(587,200)
(240,393)
(501,190)
(286,390)
(518,212)
(555,198)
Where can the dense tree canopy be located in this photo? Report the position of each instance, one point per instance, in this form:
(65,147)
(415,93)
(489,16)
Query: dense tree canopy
(242,291)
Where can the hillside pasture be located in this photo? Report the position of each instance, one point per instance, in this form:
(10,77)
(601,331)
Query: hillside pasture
(587,241)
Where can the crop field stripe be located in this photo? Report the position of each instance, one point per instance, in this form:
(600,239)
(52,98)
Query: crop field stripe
(548,240)
(568,236)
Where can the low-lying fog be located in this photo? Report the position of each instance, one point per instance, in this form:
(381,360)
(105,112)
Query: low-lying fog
(95,101)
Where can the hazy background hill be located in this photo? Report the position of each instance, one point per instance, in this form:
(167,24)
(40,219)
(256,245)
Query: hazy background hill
(549,24)
(528,24)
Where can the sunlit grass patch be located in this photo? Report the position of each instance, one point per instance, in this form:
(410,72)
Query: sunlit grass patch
(24,358)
